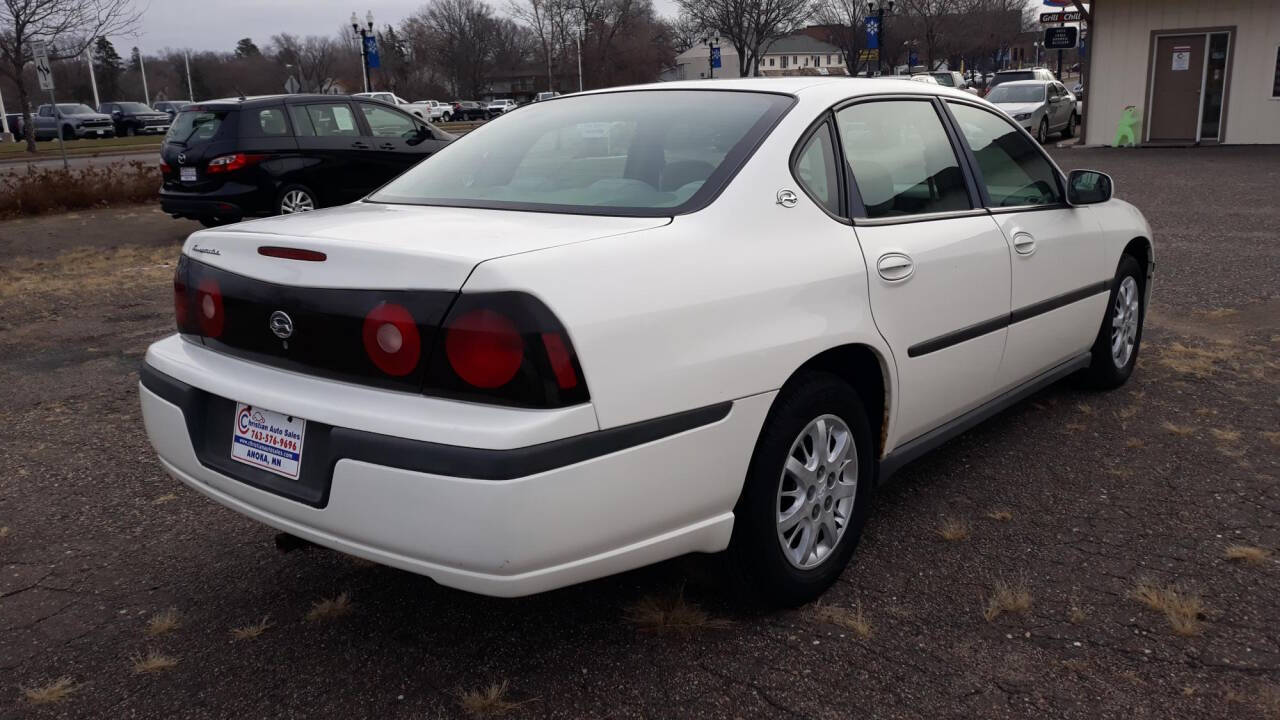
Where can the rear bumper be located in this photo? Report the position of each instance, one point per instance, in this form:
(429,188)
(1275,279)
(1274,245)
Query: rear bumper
(232,201)
(527,528)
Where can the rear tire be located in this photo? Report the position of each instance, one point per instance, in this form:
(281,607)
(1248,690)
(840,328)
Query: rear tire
(791,494)
(1070,130)
(296,199)
(1115,350)
(68,133)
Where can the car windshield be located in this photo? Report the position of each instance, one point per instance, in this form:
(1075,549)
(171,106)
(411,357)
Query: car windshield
(643,153)
(195,125)
(1017,94)
(74,109)
(134,108)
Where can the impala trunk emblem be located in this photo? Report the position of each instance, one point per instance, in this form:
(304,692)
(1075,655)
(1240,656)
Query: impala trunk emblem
(281,324)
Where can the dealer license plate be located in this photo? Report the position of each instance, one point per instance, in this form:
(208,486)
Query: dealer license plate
(187,174)
(268,440)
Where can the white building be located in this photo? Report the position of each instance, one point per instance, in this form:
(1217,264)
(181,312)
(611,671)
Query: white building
(1193,71)
(695,63)
(795,54)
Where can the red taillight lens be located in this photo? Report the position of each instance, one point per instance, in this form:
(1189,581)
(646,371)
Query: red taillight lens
(164,168)
(209,308)
(484,348)
(561,360)
(391,339)
(230,163)
(181,309)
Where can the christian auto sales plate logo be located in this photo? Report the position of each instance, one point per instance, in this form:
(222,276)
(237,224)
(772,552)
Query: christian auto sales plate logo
(268,440)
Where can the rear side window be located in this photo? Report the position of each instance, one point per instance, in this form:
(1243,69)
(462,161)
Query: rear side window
(902,159)
(196,125)
(384,122)
(264,122)
(1013,169)
(332,120)
(817,172)
(302,126)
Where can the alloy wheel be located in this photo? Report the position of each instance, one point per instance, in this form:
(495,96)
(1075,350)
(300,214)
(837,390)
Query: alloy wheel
(1124,321)
(816,492)
(296,201)
(1043,135)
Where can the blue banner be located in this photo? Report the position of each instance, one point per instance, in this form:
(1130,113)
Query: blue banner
(873,33)
(371,50)
(715,57)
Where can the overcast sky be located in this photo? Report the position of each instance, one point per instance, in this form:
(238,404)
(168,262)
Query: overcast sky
(217,25)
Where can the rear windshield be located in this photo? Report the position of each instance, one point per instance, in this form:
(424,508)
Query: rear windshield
(641,153)
(1017,94)
(1005,77)
(192,126)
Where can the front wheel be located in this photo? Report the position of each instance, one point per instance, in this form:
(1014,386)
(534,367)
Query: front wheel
(447,117)
(1042,134)
(806,494)
(1115,350)
(130,131)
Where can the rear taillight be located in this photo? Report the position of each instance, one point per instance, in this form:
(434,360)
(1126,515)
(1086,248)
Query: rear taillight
(182,299)
(230,163)
(391,339)
(209,310)
(484,348)
(164,168)
(505,348)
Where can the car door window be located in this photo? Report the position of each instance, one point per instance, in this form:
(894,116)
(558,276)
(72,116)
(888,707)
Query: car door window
(1013,169)
(816,170)
(384,122)
(902,159)
(333,120)
(264,122)
(302,126)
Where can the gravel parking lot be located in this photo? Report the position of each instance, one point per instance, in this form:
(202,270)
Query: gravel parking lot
(1076,557)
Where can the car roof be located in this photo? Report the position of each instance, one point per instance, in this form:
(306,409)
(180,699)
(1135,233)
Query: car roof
(829,88)
(1017,83)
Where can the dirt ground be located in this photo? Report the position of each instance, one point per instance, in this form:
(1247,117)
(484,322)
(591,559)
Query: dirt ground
(1062,513)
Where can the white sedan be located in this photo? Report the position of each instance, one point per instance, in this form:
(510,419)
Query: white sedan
(717,326)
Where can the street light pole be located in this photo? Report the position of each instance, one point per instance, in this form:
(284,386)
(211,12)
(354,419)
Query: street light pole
(577,40)
(362,33)
(93,81)
(712,42)
(191,94)
(880,14)
(143,69)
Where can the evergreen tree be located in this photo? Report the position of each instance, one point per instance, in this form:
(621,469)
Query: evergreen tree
(107,66)
(246,49)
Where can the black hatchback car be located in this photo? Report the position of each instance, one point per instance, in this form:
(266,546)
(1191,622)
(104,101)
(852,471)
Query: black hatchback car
(225,160)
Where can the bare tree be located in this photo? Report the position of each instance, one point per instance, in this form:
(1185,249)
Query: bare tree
(749,25)
(316,59)
(69,27)
(539,16)
(845,25)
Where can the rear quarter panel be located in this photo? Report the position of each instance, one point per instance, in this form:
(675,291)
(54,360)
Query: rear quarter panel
(720,304)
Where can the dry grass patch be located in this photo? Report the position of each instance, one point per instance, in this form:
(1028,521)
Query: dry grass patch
(1077,615)
(1134,443)
(1007,599)
(1198,362)
(1183,609)
(850,619)
(249,632)
(1075,427)
(1085,408)
(1000,515)
(44,190)
(164,622)
(5,532)
(1246,554)
(1217,312)
(490,701)
(1180,430)
(84,271)
(330,608)
(1225,435)
(154,661)
(1271,437)
(54,692)
(671,613)
(953,529)
(170,497)
(1128,412)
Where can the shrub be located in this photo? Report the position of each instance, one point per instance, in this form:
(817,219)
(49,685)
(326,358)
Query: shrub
(43,190)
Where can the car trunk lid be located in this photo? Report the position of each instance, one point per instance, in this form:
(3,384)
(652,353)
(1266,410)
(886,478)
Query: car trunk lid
(380,246)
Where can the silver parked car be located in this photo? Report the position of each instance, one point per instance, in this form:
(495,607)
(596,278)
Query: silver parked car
(1040,106)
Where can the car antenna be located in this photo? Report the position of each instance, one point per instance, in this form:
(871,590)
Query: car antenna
(240,93)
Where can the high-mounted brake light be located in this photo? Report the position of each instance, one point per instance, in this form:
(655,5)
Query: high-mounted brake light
(229,163)
(289,253)
(391,339)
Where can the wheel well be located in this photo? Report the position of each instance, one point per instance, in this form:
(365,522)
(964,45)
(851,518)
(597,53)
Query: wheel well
(865,371)
(1139,249)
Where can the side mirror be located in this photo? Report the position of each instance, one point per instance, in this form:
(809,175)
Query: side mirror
(1087,187)
(116,113)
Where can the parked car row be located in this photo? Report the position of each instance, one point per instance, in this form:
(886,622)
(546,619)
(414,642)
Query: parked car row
(225,160)
(73,121)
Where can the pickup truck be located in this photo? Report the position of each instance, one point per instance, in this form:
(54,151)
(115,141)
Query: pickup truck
(72,120)
(414,109)
(434,109)
(135,118)
(500,107)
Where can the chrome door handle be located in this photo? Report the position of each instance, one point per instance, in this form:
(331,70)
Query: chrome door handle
(1024,244)
(895,267)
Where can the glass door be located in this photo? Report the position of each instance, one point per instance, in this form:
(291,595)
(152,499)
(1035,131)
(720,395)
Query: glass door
(1215,82)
